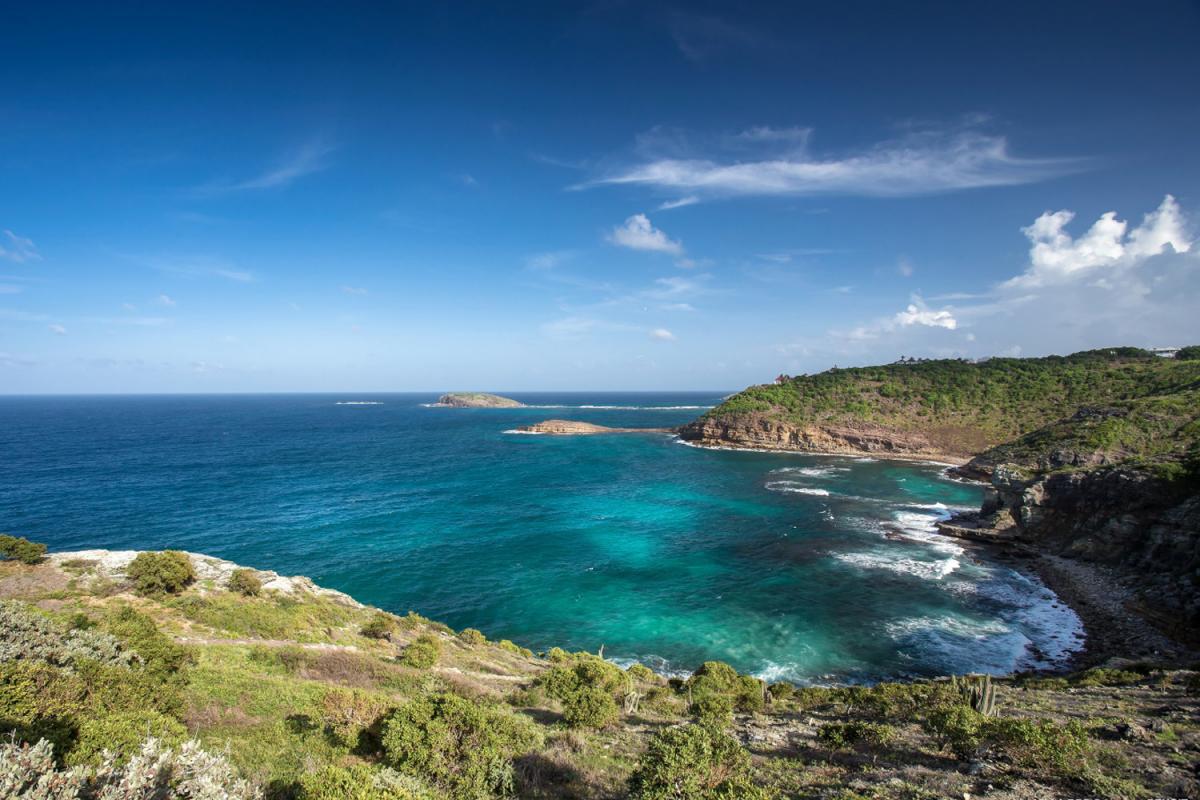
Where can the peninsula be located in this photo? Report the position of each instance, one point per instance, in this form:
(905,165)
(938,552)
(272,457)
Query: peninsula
(570,427)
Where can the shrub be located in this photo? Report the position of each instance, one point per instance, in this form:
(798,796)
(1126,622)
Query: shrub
(696,762)
(558,656)
(471,636)
(590,707)
(122,734)
(156,771)
(718,679)
(640,672)
(352,715)
(957,727)
(750,694)
(168,572)
(422,653)
(245,582)
(463,748)
(26,634)
(713,709)
(360,782)
(782,691)
(1101,676)
(514,648)
(1039,744)
(18,548)
(380,626)
(840,735)
(162,656)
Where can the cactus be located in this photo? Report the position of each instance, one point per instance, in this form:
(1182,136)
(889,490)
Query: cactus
(977,692)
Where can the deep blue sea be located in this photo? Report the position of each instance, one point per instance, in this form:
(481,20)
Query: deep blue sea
(797,567)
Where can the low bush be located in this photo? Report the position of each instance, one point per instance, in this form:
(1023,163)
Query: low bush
(155,771)
(1101,676)
(423,653)
(590,707)
(782,691)
(381,626)
(956,727)
(557,655)
(715,710)
(122,734)
(471,636)
(464,749)
(841,735)
(1049,746)
(18,548)
(514,648)
(161,655)
(360,782)
(640,672)
(717,679)
(245,582)
(695,762)
(153,574)
(27,634)
(353,717)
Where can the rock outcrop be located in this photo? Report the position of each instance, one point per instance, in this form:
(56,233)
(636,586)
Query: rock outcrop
(570,427)
(1146,528)
(767,432)
(477,400)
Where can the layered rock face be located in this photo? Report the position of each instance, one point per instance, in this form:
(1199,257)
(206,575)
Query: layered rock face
(477,400)
(1145,527)
(759,431)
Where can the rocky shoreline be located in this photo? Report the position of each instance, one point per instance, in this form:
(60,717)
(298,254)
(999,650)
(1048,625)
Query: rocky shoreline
(571,427)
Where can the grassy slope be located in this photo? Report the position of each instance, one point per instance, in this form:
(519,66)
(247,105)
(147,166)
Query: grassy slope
(265,668)
(965,407)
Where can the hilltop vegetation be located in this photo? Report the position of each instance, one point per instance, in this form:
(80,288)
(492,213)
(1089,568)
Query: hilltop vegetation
(955,407)
(289,691)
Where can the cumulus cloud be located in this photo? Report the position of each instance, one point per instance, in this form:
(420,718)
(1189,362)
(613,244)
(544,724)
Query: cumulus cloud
(919,315)
(18,248)
(1055,256)
(662,335)
(637,233)
(58,329)
(1110,286)
(928,162)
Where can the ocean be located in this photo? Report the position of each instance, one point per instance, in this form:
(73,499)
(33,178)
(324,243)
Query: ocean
(805,568)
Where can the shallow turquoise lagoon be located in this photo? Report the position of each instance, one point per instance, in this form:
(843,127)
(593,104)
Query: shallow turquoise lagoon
(804,568)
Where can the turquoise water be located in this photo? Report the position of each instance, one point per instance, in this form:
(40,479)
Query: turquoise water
(794,567)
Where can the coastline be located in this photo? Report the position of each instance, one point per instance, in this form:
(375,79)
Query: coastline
(938,459)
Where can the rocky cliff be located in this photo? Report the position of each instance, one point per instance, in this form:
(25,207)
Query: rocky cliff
(761,431)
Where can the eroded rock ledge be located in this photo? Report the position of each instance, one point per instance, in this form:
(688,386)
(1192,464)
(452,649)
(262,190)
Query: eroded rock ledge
(477,400)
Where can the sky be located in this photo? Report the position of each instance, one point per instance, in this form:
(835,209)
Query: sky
(221,197)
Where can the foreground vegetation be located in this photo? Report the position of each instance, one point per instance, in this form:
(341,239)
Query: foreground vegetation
(246,690)
(964,407)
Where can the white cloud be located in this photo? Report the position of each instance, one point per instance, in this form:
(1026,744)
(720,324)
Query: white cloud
(1111,286)
(690,200)
(18,248)
(549,260)
(921,163)
(165,300)
(678,307)
(1055,256)
(904,267)
(662,335)
(305,160)
(919,315)
(358,290)
(58,329)
(10,288)
(637,233)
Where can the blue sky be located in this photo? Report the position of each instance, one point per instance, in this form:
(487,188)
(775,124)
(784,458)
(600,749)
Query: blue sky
(582,196)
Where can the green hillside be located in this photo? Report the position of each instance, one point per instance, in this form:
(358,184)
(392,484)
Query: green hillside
(254,687)
(965,407)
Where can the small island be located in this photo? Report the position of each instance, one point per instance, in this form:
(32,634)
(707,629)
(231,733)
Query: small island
(570,427)
(477,400)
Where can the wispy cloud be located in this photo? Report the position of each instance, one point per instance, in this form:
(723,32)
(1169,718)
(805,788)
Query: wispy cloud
(701,37)
(920,163)
(662,335)
(305,160)
(58,329)
(140,322)
(637,233)
(549,260)
(358,290)
(10,288)
(197,267)
(164,300)
(18,248)
(690,200)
